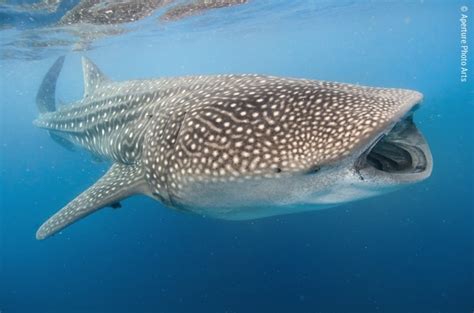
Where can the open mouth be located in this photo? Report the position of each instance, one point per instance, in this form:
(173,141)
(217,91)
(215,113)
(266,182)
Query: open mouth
(402,151)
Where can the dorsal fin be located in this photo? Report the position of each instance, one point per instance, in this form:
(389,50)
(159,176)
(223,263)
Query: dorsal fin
(93,77)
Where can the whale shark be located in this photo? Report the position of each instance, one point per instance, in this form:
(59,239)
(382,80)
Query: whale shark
(235,147)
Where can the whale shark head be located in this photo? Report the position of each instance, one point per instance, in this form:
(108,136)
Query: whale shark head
(388,159)
(295,145)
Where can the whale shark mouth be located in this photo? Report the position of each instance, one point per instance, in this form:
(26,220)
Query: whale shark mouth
(401,153)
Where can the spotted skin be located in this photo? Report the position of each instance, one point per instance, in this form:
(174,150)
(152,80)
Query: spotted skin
(179,138)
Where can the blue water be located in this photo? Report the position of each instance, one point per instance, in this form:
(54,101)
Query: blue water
(408,251)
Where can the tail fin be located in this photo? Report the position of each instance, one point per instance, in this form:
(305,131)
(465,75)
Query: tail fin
(45,98)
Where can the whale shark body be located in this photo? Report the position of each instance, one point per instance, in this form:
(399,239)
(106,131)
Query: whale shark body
(235,146)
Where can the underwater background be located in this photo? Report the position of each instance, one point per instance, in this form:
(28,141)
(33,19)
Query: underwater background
(408,251)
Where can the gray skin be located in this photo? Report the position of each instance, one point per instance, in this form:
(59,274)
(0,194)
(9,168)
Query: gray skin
(235,146)
(111,12)
(125,11)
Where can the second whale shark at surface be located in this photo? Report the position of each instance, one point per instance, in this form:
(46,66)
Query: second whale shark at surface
(235,146)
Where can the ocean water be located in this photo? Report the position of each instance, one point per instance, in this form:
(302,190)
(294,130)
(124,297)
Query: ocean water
(408,251)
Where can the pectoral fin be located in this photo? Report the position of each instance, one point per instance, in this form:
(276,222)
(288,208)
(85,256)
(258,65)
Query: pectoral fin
(120,182)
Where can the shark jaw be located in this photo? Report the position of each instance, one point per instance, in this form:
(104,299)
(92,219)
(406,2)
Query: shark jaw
(399,156)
